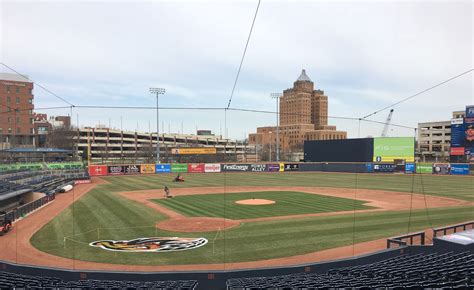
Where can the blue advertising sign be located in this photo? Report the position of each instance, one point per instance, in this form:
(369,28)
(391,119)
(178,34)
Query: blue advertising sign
(469,111)
(370,167)
(384,167)
(457,135)
(460,169)
(410,168)
(163,168)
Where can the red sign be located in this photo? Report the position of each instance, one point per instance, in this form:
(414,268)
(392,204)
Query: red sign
(457,151)
(82,181)
(196,167)
(97,170)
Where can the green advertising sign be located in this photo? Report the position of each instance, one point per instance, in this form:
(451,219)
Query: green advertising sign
(29,166)
(64,165)
(179,167)
(424,168)
(7,167)
(390,148)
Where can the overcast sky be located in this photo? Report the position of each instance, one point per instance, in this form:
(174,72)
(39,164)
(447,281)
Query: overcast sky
(364,55)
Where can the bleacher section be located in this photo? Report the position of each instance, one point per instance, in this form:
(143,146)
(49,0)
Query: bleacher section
(11,280)
(422,270)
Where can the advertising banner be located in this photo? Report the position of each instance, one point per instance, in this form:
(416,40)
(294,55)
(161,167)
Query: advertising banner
(29,166)
(132,169)
(457,151)
(147,168)
(370,167)
(459,169)
(457,135)
(282,167)
(424,168)
(98,170)
(469,111)
(64,165)
(387,149)
(116,170)
(162,168)
(184,151)
(212,167)
(410,168)
(235,167)
(384,168)
(291,167)
(457,121)
(196,168)
(441,168)
(82,181)
(273,167)
(258,167)
(177,167)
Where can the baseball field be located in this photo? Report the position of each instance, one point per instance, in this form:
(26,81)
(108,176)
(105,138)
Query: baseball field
(309,213)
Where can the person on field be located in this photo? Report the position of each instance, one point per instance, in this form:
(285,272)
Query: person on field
(167,192)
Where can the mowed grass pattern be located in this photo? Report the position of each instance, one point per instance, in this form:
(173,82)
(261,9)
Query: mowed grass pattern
(103,214)
(287,203)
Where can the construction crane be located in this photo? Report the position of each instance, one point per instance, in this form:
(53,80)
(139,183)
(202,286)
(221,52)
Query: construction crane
(387,123)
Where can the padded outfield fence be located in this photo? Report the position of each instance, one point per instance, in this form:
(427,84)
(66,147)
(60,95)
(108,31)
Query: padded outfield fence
(435,168)
(26,209)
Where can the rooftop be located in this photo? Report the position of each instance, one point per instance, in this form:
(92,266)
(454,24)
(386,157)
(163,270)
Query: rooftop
(14,77)
(303,77)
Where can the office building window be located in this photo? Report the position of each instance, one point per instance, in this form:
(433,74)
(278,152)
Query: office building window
(9,120)
(30,101)
(32,131)
(17,90)
(17,100)
(1,130)
(9,100)
(18,120)
(8,89)
(18,131)
(10,130)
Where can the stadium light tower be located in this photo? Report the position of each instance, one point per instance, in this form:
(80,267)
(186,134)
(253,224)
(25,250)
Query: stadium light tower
(157,92)
(277,97)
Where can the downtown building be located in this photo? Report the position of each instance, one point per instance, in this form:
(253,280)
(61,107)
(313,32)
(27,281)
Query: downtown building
(16,111)
(303,116)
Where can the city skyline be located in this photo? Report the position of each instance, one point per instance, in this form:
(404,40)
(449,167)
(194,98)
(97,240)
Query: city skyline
(361,66)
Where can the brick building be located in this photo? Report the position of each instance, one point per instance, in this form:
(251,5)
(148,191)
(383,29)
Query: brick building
(303,116)
(16,107)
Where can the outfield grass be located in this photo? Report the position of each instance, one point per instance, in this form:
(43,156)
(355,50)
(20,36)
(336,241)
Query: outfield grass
(287,203)
(120,218)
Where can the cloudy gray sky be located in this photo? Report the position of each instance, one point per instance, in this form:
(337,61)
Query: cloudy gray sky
(364,55)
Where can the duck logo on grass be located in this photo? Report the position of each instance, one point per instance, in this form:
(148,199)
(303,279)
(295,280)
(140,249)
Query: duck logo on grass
(151,244)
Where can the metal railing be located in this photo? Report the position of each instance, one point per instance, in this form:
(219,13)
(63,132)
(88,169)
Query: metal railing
(406,239)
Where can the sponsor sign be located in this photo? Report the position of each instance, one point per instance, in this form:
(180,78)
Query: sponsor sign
(388,149)
(273,167)
(65,165)
(212,167)
(258,167)
(29,166)
(132,169)
(457,151)
(98,170)
(384,168)
(177,167)
(196,167)
(441,168)
(116,170)
(184,151)
(82,181)
(162,168)
(235,167)
(158,244)
(424,168)
(282,167)
(457,121)
(469,111)
(291,167)
(147,168)
(410,168)
(370,167)
(459,169)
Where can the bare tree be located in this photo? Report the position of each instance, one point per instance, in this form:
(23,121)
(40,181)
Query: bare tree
(62,137)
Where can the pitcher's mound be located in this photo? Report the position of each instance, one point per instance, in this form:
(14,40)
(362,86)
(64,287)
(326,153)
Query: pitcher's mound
(196,224)
(255,201)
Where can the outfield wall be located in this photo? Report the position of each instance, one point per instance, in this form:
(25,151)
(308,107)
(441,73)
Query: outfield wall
(369,167)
